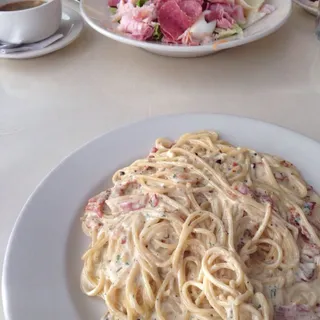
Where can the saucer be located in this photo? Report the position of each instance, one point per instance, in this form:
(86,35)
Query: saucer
(71,25)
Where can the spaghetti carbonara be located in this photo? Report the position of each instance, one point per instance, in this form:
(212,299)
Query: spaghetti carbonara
(201,229)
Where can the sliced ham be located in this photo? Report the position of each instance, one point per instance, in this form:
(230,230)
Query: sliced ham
(192,8)
(147,13)
(139,30)
(123,9)
(220,14)
(199,1)
(113,3)
(238,14)
(175,18)
(227,11)
(160,3)
(135,20)
(227,2)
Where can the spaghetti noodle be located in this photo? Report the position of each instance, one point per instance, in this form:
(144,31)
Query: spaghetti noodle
(201,229)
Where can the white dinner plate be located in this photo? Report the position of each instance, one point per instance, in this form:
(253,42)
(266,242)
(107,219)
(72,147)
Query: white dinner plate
(308,6)
(71,25)
(98,16)
(42,265)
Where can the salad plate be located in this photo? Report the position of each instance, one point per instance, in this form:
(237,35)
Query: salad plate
(98,15)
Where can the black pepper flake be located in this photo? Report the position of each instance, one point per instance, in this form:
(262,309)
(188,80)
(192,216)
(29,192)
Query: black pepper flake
(196,153)
(255,154)
(122,173)
(253,165)
(219,161)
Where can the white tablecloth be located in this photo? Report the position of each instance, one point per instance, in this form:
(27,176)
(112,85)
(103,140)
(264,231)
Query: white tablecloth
(52,105)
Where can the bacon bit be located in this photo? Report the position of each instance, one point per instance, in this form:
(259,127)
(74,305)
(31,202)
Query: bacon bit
(292,210)
(122,187)
(234,164)
(96,203)
(124,240)
(154,150)
(232,195)
(132,206)
(294,220)
(154,200)
(280,176)
(286,164)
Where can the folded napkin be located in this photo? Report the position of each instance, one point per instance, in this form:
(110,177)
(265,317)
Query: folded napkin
(8,48)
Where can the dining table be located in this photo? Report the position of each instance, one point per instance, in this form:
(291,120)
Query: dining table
(52,105)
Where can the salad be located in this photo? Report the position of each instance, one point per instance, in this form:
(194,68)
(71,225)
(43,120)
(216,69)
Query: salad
(187,22)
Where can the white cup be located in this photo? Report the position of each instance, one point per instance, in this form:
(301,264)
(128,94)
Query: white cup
(30,25)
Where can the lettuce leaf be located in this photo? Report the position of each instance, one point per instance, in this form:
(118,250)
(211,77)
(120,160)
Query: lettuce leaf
(157,34)
(113,10)
(225,33)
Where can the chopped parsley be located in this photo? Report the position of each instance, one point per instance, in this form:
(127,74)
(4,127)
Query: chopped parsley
(273,292)
(308,207)
(114,11)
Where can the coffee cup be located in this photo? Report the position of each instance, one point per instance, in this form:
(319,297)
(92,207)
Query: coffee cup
(29,21)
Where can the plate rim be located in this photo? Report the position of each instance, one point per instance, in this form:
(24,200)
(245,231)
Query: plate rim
(60,44)
(214,47)
(23,211)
